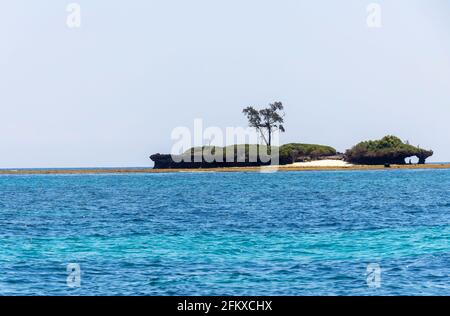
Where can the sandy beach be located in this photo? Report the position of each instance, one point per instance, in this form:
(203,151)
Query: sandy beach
(321,163)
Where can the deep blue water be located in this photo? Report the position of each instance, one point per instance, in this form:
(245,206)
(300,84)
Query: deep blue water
(288,233)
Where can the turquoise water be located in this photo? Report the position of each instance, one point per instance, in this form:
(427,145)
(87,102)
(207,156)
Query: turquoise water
(289,233)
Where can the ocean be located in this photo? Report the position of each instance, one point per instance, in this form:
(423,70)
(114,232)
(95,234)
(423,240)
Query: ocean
(380,232)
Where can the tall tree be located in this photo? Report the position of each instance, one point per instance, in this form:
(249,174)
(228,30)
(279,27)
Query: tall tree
(266,121)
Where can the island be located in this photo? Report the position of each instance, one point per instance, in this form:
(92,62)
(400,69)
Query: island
(390,150)
(386,151)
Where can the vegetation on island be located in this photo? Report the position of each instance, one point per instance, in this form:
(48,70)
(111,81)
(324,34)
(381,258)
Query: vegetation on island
(388,150)
(240,152)
(288,153)
(293,152)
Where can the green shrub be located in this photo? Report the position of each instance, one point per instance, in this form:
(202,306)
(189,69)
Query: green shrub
(389,149)
(287,153)
(293,151)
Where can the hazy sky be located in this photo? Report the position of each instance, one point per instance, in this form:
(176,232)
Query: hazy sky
(110,93)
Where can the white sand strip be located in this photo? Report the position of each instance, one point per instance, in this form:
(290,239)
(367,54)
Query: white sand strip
(321,163)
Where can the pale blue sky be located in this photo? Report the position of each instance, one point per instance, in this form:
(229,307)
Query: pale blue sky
(110,93)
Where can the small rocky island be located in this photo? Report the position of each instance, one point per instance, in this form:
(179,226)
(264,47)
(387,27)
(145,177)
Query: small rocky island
(388,150)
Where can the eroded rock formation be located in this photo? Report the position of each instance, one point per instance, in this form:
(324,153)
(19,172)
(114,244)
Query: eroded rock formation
(388,150)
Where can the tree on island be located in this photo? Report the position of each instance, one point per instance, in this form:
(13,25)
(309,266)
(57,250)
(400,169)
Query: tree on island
(266,121)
